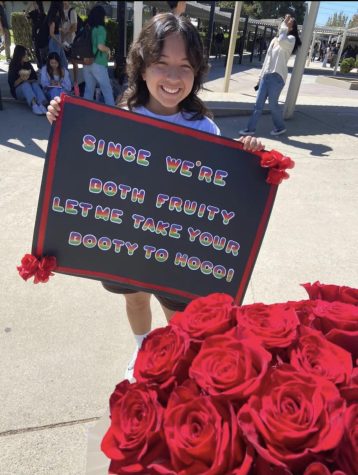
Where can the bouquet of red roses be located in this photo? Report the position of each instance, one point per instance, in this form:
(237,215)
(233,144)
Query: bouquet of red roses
(251,390)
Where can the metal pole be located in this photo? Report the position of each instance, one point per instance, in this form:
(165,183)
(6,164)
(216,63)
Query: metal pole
(230,29)
(253,44)
(137,19)
(209,37)
(232,45)
(311,49)
(340,51)
(299,66)
(243,39)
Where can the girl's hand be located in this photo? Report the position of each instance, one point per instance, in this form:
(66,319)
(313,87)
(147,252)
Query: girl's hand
(251,144)
(53,109)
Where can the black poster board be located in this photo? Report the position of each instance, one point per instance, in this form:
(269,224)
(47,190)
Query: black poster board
(151,205)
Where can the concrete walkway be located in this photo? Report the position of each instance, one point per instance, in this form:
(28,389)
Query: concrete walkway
(64,345)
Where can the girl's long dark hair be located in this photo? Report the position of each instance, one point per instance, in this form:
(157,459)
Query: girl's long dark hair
(55,56)
(147,49)
(56,9)
(19,52)
(294,32)
(40,7)
(96,16)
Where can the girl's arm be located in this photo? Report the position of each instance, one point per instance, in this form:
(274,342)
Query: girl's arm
(101,40)
(18,81)
(66,81)
(52,33)
(44,78)
(286,41)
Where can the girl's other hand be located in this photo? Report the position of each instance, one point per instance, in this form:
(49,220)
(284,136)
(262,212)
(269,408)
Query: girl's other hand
(251,144)
(53,109)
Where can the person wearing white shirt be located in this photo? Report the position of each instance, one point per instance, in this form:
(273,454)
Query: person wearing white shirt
(273,76)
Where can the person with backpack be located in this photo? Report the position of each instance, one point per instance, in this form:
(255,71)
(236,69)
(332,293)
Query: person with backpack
(69,29)
(97,72)
(55,19)
(36,15)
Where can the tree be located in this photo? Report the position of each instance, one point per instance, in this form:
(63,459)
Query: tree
(337,19)
(354,21)
(267,9)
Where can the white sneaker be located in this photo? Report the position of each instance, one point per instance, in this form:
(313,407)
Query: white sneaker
(278,132)
(36,109)
(43,108)
(246,132)
(130,367)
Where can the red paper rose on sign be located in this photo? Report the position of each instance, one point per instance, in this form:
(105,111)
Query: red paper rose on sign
(274,325)
(292,418)
(135,437)
(339,322)
(164,358)
(41,269)
(206,316)
(332,293)
(229,368)
(316,355)
(347,453)
(202,435)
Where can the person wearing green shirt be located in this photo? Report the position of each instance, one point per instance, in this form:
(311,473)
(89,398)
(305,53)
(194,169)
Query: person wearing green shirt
(97,72)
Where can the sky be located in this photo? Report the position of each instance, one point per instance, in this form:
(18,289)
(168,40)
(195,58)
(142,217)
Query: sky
(326,9)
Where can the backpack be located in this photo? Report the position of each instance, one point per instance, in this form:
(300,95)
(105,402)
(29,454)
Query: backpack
(42,34)
(81,50)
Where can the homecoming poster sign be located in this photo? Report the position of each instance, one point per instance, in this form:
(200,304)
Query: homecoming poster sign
(150,205)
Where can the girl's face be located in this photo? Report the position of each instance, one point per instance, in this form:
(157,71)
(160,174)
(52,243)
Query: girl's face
(169,80)
(54,63)
(25,58)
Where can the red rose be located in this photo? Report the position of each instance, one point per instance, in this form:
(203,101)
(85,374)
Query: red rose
(230,368)
(206,316)
(292,418)
(45,268)
(314,354)
(164,357)
(29,265)
(317,468)
(347,453)
(135,437)
(339,322)
(350,391)
(275,325)
(202,435)
(332,292)
(304,311)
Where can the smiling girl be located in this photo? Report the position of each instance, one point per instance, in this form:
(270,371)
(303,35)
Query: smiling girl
(166,67)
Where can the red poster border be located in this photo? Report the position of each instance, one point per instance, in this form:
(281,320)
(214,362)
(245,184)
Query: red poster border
(163,125)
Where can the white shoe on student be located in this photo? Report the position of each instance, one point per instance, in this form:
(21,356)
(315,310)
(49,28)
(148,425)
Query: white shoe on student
(36,109)
(43,109)
(278,132)
(130,367)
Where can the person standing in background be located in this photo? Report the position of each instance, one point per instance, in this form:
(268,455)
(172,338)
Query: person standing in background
(36,15)
(273,76)
(68,34)
(177,8)
(97,72)
(55,19)
(4,30)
